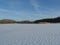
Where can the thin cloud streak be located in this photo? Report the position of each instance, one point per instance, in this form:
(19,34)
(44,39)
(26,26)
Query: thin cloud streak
(35,5)
(48,12)
(20,15)
(6,11)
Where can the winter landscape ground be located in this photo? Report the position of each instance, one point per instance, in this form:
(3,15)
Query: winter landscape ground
(29,34)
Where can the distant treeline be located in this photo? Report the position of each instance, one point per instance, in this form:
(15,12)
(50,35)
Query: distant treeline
(47,20)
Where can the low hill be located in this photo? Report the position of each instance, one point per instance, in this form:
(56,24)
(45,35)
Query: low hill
(26,21)
(6,21)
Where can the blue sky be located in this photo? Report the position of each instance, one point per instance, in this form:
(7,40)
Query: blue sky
(29,9)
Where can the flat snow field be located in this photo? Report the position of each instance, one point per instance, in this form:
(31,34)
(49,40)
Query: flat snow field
(29,34)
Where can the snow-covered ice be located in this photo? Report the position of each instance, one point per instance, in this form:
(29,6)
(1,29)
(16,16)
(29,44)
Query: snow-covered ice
(29,34)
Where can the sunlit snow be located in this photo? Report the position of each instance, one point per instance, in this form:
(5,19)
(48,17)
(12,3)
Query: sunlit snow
(29,34)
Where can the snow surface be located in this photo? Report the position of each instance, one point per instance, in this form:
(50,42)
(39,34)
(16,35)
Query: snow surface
(29,34)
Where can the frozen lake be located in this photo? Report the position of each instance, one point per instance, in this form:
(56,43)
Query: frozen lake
(29,34)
